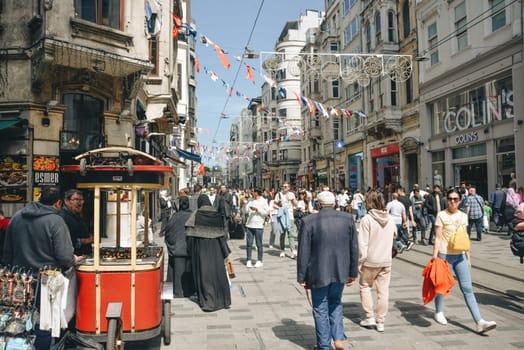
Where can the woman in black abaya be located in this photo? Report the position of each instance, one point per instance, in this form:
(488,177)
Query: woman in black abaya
(208,248)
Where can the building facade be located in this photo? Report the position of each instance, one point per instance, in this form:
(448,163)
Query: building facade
(79,75)
(471,123)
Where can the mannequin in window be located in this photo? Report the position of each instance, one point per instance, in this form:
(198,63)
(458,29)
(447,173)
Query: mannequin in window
(437,179)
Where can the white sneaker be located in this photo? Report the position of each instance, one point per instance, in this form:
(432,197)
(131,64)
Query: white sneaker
(293,254)
(259,263)
(368,322)
(380,327)
(282,254)
(484,326)
(249,264)
(270,246)
(440,318)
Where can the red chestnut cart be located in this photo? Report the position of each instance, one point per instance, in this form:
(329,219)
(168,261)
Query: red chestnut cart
(120,293)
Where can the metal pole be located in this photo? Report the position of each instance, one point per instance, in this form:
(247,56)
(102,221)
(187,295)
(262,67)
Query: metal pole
(334,165)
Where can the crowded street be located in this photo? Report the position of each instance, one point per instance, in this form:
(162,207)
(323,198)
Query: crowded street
(270,309)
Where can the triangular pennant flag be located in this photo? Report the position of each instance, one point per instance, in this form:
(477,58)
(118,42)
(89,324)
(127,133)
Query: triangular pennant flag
(222,57)
(250,74)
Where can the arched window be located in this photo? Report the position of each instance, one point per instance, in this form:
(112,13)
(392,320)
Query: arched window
(82,127)
(391,27)
(378,29)
(406,25)
(368,37)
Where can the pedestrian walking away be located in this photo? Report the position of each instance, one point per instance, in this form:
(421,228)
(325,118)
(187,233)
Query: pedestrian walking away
(327,259)
(446,224)
(376,233)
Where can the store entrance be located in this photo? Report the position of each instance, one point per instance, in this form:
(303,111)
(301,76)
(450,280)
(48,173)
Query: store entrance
(473,174)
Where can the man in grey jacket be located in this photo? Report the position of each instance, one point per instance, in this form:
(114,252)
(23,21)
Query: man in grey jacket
(37,237)
(327,259)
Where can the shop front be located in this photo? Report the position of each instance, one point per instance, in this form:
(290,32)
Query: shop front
(386,165)
(355,173)
(473,136)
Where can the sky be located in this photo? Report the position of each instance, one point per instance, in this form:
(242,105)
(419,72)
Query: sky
(229,23)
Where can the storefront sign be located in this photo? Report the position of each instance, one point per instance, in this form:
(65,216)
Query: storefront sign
(46,170)
(467,137)
(385,151)
(495,108)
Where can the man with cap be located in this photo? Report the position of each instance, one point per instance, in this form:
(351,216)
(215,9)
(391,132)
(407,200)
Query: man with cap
(327,259)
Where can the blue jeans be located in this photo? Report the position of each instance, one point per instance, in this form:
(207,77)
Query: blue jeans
(478,226)
(458,264)
(257,234)
(432,231)
(275,229)
(327,312)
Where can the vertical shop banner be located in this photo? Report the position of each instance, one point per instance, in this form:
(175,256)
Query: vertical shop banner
(13,179)
(46,170)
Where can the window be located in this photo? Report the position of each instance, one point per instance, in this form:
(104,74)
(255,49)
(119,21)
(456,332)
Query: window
(380,93)
(345,7)
(378,29)
(391,27)
(153,54)
(371,98)
(282,112)
(335,89)
(368,36)
(394,93)
(406,25)
(461,26)
(432,43)
(409,90)
(82,124)
(498,14)
(351,31)
(283,154)
(273,155)
(333,46)
(103,12)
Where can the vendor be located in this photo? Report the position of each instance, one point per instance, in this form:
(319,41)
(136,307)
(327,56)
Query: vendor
(80,237)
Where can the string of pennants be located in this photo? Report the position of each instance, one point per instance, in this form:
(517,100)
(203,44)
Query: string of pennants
(252,150)
(313,106)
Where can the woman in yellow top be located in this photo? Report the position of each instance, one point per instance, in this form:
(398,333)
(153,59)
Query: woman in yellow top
(459,262)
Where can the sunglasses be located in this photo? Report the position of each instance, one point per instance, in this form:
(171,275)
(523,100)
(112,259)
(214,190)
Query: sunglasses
(453,199)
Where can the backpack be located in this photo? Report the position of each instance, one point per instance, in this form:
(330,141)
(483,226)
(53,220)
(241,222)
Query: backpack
(516,243)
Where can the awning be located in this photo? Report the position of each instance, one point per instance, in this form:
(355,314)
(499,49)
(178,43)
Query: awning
(9,122)
(189,156)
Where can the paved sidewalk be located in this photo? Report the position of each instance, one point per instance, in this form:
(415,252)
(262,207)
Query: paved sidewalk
(270,310)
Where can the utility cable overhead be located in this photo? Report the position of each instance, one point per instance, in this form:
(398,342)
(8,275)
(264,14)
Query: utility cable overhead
(239,67)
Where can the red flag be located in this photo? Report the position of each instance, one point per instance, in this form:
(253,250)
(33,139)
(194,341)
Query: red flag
(202,169)
(197,64)
(298,98)
(222,57)
(178,24)
(250,74)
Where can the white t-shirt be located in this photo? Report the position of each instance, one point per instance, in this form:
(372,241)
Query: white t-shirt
(395,209)
(449,223)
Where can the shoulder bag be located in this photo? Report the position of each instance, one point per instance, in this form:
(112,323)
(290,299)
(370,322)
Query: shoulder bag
(459,239)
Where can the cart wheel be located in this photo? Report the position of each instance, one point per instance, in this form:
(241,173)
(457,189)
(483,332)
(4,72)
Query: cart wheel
(83,166)
(130,166)
(167,322)
(111,334)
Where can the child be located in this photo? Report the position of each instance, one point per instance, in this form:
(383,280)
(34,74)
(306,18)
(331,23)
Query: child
(487,217)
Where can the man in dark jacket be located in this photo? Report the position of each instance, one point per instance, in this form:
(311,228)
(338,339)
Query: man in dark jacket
(433,205)
(175,237)
(224,205)
(70,212)
(497,202)
(37,237)
(327,258)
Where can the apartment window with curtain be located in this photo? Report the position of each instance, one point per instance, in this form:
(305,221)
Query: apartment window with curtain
(432,43)
(498,14)
(103,12)
(406,24)
(461,20)
(378,29)
(391,27)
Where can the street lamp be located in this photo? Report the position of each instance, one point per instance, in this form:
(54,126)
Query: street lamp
(337,144)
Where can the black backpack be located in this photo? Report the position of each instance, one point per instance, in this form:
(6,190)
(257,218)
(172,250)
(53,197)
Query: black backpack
(516,243)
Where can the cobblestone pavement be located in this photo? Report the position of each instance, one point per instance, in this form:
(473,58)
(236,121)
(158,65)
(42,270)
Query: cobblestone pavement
(270,310)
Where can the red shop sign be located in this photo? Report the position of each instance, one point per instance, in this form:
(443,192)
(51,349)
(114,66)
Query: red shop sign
(387,150)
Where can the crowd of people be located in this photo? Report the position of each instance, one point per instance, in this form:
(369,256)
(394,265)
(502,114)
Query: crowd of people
(332,247)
